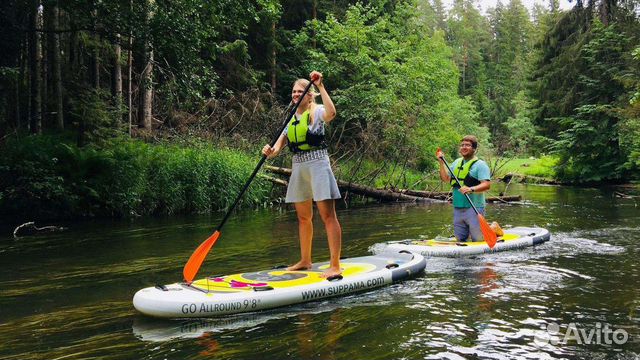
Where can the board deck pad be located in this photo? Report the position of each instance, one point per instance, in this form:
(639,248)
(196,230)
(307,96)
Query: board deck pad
(432,242)
(281,278)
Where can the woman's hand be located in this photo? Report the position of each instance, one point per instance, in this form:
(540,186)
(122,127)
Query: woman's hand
(316,77)
(268,151)
(330,108)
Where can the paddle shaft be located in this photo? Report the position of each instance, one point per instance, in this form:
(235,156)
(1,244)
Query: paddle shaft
(264,157)
(460,185)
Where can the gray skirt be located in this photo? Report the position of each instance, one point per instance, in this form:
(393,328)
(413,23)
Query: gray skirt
(312,178)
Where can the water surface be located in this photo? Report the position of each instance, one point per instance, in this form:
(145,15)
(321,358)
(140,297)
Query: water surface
(68,295)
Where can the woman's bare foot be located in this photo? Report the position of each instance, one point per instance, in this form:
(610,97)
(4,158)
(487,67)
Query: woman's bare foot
(300,265)
(331,272)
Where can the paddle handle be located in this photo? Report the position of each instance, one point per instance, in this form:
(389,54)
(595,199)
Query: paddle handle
(264,157)
(460,185)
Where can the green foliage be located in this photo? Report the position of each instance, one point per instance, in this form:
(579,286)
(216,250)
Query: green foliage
(47,177)
(468,33)
(509,67)
(542,167)
(494,55)
(390,175)
(395,85)
(635,99)
(28,181)
(201,48)
(586,85)
(630,124)
(95,117)
(630,141)
(524,137)
(586,155)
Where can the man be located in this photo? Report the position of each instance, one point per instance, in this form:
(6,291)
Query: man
(475,178)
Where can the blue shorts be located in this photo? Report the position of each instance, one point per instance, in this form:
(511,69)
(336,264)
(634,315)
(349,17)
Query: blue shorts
(465,223)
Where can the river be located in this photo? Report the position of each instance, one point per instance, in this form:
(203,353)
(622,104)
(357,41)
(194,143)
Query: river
(68,295)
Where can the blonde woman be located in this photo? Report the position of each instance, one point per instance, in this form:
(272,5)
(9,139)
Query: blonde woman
(312,178)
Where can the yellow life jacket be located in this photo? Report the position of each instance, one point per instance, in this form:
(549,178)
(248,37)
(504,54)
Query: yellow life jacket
(462,172)
(300,139)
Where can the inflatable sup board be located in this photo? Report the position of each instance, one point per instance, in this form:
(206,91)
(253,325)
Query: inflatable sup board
(247,292)
(514,238)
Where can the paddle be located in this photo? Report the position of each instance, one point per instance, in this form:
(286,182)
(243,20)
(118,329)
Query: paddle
(488,234)
(195,261)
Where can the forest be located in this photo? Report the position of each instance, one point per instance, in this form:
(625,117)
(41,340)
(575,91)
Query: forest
(122,107)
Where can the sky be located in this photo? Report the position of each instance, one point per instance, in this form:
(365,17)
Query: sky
(486,4)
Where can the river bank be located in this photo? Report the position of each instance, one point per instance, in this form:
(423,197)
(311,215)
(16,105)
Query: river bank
(49,178)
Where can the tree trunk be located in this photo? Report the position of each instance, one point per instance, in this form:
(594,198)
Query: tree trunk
(464,69)
(44,67)
(314,16)
(26,78)
(73,53)
(17,113)
(116,77)
(35,61)
(56,65)
(20,84)
(95,64)
(273,58)
(130,83)
(146,90)
(95,53)
(604,12)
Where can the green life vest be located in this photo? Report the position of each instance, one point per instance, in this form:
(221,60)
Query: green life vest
(462,172)
(300,139)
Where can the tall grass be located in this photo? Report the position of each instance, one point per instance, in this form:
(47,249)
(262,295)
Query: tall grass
(44,177)
(543,167)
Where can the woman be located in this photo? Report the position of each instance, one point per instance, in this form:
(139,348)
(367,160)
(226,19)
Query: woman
(311,177)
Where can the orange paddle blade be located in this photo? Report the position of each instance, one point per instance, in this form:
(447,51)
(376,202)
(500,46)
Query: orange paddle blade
(489,236)
(195,261)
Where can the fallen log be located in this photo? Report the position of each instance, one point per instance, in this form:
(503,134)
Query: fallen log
(30,228)
(504,198)
(379,194)
(278,170)
(623,195)
(274,180)
(446,195)
(387,194)
(443,195)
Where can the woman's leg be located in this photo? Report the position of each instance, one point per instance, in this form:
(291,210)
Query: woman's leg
(304,210)
(327,211)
